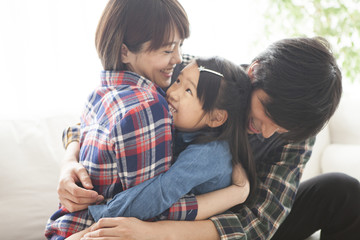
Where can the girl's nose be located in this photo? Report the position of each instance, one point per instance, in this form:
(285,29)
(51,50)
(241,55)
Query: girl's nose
(172,94)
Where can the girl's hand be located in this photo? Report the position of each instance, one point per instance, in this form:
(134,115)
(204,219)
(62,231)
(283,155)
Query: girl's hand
(121,228)
(71,195)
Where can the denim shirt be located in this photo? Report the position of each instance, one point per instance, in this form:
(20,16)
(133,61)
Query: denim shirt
(199,168)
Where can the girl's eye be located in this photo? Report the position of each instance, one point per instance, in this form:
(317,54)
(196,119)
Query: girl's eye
(177,81)
(189,91)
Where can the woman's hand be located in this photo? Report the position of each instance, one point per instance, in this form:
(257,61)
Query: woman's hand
(71,195)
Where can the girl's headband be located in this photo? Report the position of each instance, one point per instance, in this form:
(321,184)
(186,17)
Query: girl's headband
(203,69)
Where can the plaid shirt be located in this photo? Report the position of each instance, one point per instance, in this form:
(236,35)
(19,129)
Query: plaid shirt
(126,138)
(278,180)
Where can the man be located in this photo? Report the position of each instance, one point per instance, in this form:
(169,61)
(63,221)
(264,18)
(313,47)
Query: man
(296,89)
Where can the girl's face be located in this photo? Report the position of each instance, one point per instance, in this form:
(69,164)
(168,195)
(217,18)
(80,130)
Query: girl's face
(183,102)
(157,65)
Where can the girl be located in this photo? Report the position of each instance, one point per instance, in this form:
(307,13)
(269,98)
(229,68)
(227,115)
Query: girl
(209,104)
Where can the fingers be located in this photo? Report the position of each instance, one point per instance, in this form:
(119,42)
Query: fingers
(84,178)
(71,195)
(73,207)
(76,198)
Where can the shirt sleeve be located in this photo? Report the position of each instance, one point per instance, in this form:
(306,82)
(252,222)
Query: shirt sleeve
(201,168)
(278,181)
(71,134)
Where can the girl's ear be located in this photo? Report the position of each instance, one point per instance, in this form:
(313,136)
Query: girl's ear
(217,118)
(125,54)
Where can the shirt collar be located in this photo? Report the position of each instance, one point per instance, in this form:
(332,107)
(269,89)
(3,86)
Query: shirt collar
(117,78)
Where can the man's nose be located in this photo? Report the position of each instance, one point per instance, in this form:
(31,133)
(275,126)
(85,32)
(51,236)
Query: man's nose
(268,130)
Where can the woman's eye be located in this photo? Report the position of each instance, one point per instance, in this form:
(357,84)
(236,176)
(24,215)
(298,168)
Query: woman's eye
(177,81)
(169,52)
(189,91)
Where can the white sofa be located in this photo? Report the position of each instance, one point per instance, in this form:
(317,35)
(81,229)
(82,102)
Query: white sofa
(31,151)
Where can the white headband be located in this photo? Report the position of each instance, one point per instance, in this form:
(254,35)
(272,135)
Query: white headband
(203,69)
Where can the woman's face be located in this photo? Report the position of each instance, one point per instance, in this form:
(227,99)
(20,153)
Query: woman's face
(184,104)
(157,65)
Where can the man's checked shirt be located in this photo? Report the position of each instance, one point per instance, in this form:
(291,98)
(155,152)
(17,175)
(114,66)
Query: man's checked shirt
(279,169)
(125,139)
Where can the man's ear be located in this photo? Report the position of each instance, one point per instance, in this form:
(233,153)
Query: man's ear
(251,69)
(217,118)
(125,54)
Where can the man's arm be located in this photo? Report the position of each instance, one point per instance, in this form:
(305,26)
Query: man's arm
(257,219)
(278,181)
(132,228)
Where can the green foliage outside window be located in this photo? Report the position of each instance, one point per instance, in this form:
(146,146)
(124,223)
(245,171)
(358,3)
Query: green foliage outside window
(336,20)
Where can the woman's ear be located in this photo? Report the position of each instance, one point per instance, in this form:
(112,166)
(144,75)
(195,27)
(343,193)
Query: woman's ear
(125,54)
(217,118)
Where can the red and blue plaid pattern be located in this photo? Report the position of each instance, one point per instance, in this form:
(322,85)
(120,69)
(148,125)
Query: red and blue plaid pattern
(126,138)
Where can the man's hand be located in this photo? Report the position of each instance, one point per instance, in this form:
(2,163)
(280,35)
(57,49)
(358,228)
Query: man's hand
(72,196)
(122,228)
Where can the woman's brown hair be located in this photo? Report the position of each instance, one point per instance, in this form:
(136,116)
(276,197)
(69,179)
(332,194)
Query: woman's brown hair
(134,22)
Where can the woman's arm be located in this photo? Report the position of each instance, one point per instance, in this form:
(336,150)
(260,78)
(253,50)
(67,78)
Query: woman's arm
(72,174)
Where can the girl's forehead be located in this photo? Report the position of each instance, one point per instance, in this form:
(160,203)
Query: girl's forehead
(191,73)
(191,68)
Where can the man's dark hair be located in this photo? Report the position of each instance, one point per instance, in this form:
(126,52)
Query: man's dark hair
(303,82)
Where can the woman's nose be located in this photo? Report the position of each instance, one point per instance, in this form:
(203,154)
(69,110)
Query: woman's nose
(177,56)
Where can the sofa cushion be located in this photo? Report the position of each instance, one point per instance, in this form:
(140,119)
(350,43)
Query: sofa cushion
(342,158)
(29,168)
(345,124)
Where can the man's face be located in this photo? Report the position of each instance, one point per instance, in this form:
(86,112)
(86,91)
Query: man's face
(259,121)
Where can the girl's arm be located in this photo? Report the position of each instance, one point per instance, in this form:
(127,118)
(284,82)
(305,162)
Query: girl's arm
(204,169)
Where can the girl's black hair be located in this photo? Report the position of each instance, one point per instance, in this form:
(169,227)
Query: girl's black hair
(231,93)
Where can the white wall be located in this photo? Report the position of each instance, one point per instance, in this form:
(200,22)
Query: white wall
(48,61)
